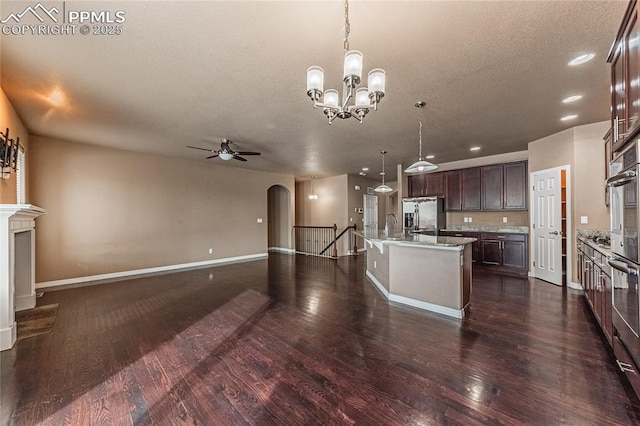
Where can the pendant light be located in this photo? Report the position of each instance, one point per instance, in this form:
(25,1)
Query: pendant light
(312,194)
(420,166)
(383,187)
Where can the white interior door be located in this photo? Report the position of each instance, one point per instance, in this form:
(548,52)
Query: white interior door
(547,226)
(370,212)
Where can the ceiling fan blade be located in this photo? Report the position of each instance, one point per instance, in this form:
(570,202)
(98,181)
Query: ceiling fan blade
(237,157)
(247,153)
(213,156)
(203,149)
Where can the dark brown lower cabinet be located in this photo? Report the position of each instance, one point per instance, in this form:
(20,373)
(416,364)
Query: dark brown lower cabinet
(507,251)
(498,252)
(595,277)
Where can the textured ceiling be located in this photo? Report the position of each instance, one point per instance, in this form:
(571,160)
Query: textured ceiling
(493,74)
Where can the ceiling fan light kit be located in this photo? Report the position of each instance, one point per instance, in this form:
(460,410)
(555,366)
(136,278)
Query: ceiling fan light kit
(364,98)
(225,152)
(420,166)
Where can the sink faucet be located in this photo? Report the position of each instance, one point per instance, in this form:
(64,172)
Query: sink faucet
(393,222)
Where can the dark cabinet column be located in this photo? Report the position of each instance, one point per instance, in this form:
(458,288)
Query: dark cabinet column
(471,189)
(492,187)
(453,194)
(416,186)
(515,186)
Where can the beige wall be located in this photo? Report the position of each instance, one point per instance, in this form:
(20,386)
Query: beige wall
(589,176)
(110,210)
(9,118)
(581,148)
(514,218)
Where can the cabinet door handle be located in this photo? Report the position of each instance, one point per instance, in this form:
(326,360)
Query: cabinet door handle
(626,368)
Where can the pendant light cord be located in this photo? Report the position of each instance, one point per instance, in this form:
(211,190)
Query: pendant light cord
(420,133)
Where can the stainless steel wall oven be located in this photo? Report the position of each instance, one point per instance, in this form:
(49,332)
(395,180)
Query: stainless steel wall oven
(624,194)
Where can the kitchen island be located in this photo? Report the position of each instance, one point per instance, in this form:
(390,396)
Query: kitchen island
(424,271)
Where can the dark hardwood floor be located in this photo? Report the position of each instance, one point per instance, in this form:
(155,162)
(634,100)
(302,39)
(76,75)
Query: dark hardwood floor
(300,340)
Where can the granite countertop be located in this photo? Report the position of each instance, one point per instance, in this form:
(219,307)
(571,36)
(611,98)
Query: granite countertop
(488,228)
(587,235)
(415,239)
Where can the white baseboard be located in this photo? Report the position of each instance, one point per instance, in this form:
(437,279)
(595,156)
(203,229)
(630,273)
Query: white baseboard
(281,250)
(8,337)
(450,312)
(378,284)
(25,302)
(575,286)
(147,271)
(415,303)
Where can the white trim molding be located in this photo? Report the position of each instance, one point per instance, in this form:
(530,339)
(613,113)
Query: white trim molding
(281,250)
(413,302)
(117,276)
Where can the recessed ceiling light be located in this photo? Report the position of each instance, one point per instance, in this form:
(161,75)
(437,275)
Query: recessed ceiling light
(568,117)
(475,148)
(582,59)
(429,157)
(365,169)
(572,99)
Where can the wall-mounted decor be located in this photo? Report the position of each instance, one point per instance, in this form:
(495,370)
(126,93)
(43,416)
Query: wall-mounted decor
(370,190)
(8,152)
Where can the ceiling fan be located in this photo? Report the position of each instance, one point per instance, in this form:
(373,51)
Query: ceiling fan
(225,152)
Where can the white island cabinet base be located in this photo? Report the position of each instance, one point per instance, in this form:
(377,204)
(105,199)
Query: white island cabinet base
(426,272)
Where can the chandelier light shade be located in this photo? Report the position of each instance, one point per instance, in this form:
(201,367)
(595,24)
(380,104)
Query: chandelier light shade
(384,187)
(364,99)
(420,166)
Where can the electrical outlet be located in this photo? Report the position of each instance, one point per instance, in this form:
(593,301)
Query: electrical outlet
(375,264)
(259,220)
(504,219)
(350,219)
(210,251)
(357,187)
(470,219)
(584,219)
(466,219)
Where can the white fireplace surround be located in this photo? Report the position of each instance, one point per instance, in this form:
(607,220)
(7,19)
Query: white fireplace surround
(17,266)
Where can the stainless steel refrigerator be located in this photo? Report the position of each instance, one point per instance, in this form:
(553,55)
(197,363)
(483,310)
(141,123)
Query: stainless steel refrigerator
(425,214)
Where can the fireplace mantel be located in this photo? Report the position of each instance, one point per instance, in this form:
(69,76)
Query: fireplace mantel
(16,219)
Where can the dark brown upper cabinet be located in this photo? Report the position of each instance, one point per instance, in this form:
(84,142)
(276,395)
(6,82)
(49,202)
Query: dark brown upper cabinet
(492,187)
(453,190)
(515,186)
(470,189)
(426,185)
(625,74)
(504,186)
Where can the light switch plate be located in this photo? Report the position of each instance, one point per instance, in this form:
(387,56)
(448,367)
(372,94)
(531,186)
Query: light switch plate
(470,219)
(504,219)
(357,187)
(584,219)
(259,220)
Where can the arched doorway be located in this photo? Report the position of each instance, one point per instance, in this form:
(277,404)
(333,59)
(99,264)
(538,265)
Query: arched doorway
(279,218)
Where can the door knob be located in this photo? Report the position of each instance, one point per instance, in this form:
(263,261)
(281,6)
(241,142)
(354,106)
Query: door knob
(554,233)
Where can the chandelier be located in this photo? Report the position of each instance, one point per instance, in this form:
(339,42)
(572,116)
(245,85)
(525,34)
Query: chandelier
(420,166)
(364,99)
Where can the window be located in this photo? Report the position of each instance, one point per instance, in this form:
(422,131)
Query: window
(20,178)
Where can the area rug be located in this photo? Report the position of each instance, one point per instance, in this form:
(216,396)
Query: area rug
(36,321)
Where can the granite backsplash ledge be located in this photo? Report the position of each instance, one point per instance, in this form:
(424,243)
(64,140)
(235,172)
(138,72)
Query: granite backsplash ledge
(489,228)
(591,233)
